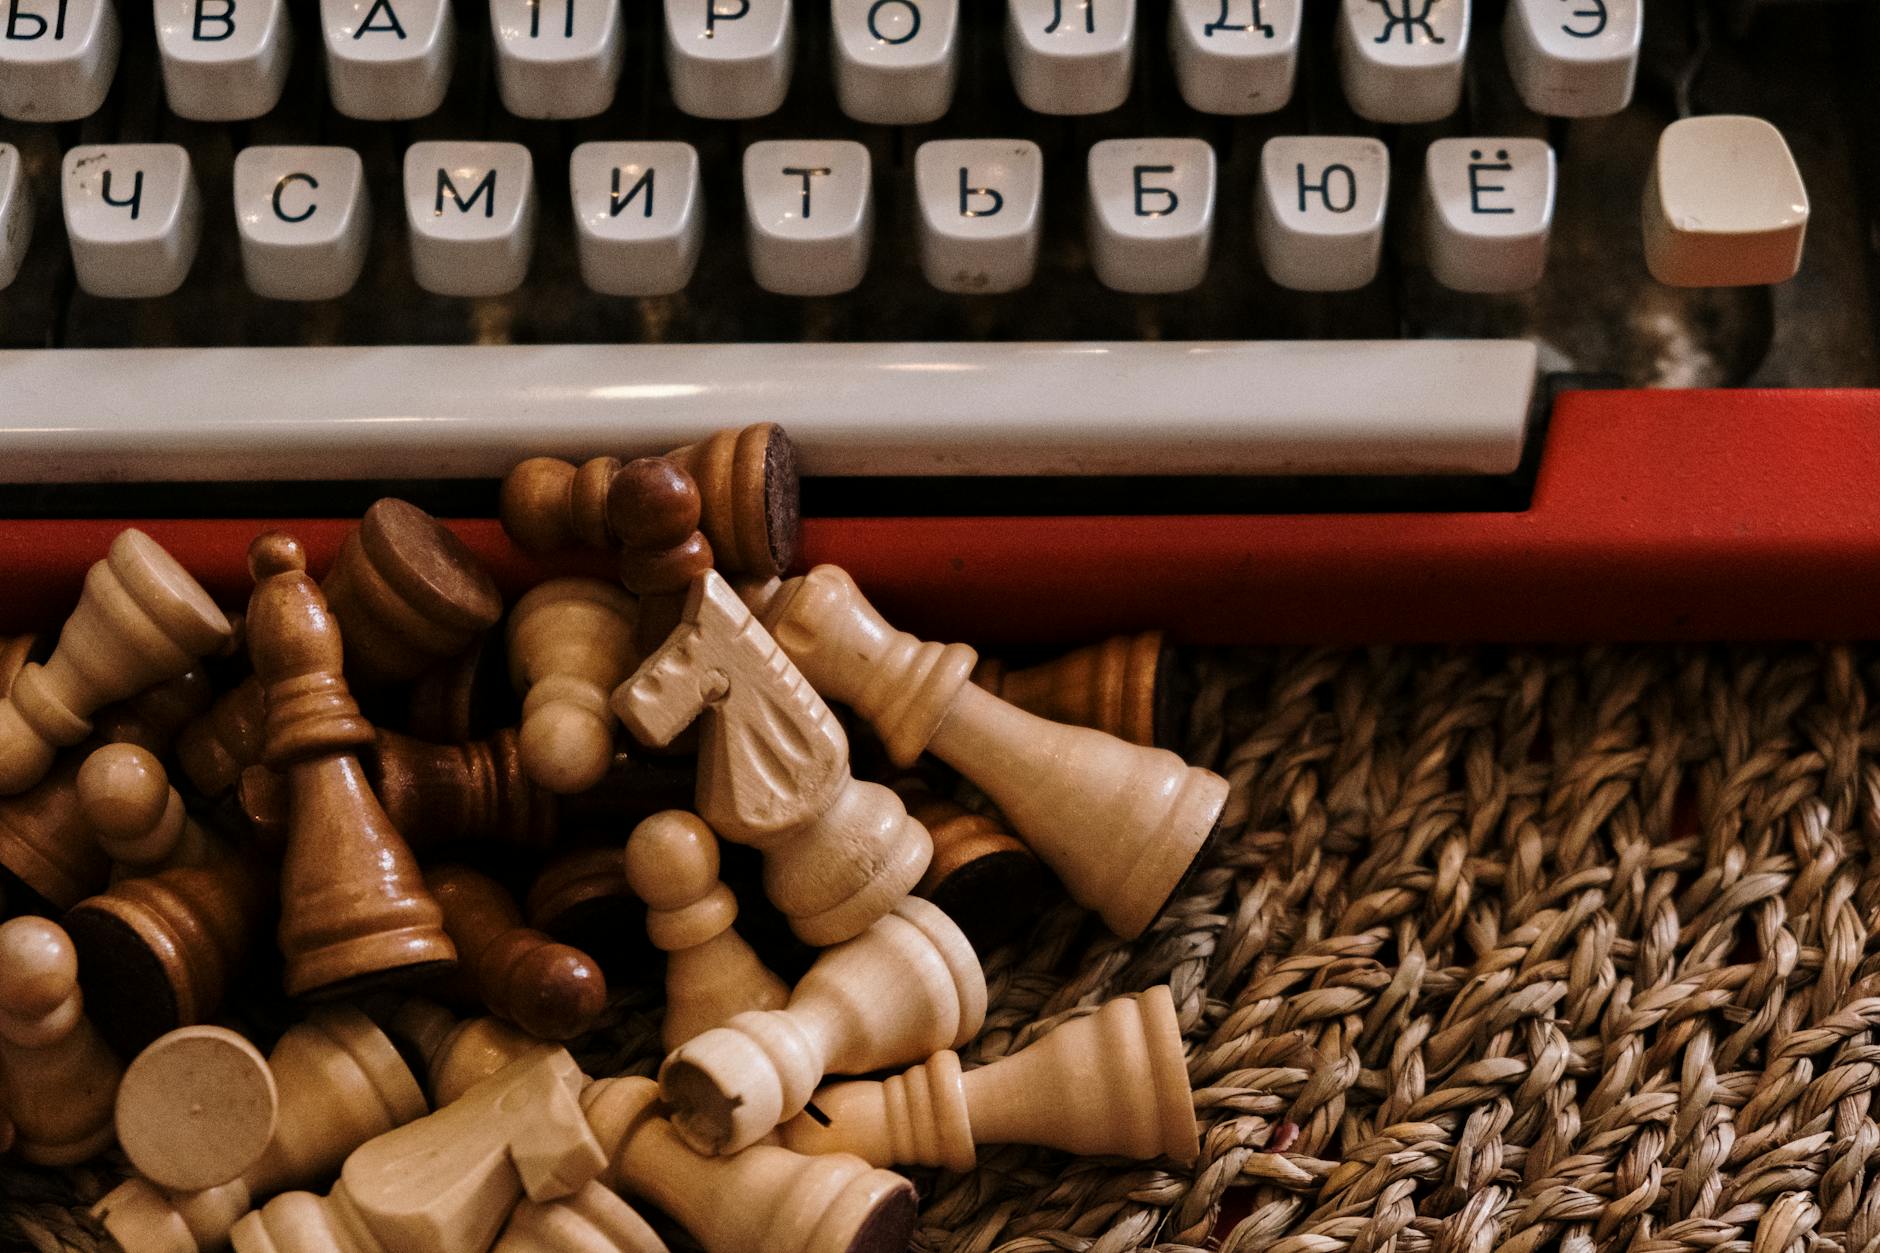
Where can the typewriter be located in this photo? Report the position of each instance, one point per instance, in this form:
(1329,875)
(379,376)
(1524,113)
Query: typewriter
(1269,319)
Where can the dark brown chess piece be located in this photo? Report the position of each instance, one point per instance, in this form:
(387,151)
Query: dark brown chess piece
(219,744)
(581,898)
(986,881)
(1120,686)
(548,989)
(655,511)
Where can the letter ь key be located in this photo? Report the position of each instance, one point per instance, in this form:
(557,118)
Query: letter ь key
(981,205)
(223,60)
(388,60)
(56,58)
(471,210)
(133,216)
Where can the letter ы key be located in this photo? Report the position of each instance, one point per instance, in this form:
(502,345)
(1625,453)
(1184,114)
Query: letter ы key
(1402,60)
(223,60)
(557,58)
(639,216)
(980,210)
(1320,223)
(896,60)
(388,60)
(1071,56)
(729,58)
(304,220)
(809,215)
(1574,58)
(1488,212)
(16,214)
(56,58)
(1151,213)
(1725,205)
(471,209)
(133,216)
(1235,57)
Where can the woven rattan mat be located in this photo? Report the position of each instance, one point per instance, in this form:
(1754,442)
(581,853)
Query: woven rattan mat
(1509,949)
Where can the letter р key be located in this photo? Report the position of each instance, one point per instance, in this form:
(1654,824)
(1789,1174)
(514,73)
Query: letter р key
(133,216)
(56,58)
(729,58)
(223,60)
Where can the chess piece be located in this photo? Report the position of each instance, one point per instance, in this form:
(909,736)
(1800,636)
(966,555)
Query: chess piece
(1119,686)
(462,698)
(655,508)
(1109,1084)
(763,1198)
(982,878)
(457,1054)
(593,1220)
(142,619)
(774,769)
(448,1181)
(581,899)
(353,907)
(216,747)
(570,644)
(711,973)
(340,1083)
(57,1077)
(407,593)
(15,651)
(549,505)
(1119,823)
(902,990)
(548,989)
(196,1108)
(136,816)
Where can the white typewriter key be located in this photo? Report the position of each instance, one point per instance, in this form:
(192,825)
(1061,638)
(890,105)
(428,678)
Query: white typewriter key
(1725,205)
(56,58)
(729,58)
(388,60)
(16,214)
(1071,56)
(896,60)
(1402,60)
(981,202)
(557,58)
(809,215)
(1320,224)
(1235,56)
(223,60)
(1151,213)
(1574,58)
(471,209)
(304,220)
(639,216)
(1488,212)
(134,217)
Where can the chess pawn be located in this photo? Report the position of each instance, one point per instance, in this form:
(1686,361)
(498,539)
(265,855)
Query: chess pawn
(548,989)
(196,1108)
(774,769)
(765,1198)
(142,619)
(57,1077)
(353,906)
(136,816)
(593,1220)
(1119,687)
(902,990)
(711,973)
(570,644)
(216,747)
(655,507)
(1120,824)
(407,593)
(549,505)
(982,878)
(1109,1084)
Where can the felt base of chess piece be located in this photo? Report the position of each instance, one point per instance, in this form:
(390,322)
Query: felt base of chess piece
(749,488)
(196,1108)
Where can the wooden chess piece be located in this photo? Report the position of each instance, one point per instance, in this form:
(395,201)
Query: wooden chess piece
(1119,686)
(216,747)
(142,619)
(407,593)
(15,652)
(904,989)
(453,1054)
(463,698)
(549,505)
(57,1078)
(774,769)
(655,508)
(354,910)
(136,816)
(581,898)
(570,644)
(196,1108)
(340,1083)
(1119,823)
(765,1198)
(986,881)
(548,989)
(711,973)
(593,1220)
(1109,1084)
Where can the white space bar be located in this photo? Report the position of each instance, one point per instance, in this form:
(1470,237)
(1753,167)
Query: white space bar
(1328,407)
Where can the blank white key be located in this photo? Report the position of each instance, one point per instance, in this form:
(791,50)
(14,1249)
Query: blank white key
(304,218)
(16,214)
(1402,60)
(1235,56)
(557,58)
(56,58)
(1574,58)
(896,60)
(1071,56)
(1725,205)
(1488,212)
(639,215)
(1321,216)
(981,202)
(223,60)
(133,216)
(729,58)
(388,60)
(1151,213)
(809,215)
(471,208)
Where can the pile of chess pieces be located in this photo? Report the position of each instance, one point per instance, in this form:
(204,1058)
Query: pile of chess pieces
(575,787)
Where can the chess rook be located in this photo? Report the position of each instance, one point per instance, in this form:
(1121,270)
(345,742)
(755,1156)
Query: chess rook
(196,1108)
(137,817)
(570,644)
(1119,686)
(57,1078)
(548,989)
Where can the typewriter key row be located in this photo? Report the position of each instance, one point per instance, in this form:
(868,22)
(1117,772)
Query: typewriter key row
(895,61)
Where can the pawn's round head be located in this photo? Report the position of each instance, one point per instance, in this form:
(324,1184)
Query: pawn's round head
(672,859)
(275,553)
(565,748)
(38,967)
(123,790)
(652,503)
